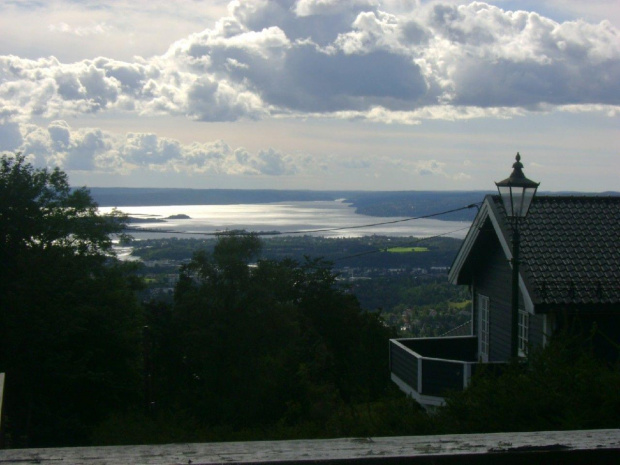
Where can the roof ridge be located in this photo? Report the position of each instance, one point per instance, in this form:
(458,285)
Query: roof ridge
(594,197)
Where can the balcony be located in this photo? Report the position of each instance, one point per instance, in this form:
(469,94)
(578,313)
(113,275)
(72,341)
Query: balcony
(427,368)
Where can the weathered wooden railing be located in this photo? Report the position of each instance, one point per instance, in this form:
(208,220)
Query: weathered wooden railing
(574,447)
(427,368)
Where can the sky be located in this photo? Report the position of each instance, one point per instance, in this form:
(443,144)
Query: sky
(314,94)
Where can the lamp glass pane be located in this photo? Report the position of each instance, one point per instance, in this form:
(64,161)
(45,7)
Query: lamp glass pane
(517,200)
(506,195)
(528,196)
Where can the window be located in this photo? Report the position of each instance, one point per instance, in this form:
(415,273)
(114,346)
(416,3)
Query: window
(524,329)
(483,326)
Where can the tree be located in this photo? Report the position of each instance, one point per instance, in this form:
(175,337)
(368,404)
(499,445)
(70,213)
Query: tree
(69,321)
(39,210)
(275,343)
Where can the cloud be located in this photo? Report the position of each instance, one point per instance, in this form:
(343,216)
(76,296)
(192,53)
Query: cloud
(523,60)
(330,7)
(119,29)
(10,137)
(59,145)
(355,163)
(148,150)
(208,100)
(326,57)
(83,31)
(431,168)
(273,163)
(88,149)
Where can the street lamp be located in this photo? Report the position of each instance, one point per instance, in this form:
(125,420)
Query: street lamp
(517,193)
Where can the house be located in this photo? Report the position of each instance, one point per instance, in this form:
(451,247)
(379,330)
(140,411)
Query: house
(569,277)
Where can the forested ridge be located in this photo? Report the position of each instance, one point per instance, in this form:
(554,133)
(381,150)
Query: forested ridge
(277,350)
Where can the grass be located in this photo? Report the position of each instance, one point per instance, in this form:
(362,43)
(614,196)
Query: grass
(460,305)
(407,249)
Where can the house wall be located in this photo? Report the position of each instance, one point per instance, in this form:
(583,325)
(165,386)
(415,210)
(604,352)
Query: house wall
(492,279)
(492,275)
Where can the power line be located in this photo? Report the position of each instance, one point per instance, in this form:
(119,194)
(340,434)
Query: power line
(402,220)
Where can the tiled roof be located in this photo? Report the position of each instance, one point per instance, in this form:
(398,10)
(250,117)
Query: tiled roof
(570,249)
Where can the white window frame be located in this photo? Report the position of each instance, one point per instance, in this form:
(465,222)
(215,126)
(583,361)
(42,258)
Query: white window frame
(524,332)
(484,314)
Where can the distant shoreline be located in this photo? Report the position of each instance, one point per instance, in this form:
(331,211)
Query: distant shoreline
(369,203)
(324,218)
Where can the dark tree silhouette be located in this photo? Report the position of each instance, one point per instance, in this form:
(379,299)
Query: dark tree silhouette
(69,322)
(277,342)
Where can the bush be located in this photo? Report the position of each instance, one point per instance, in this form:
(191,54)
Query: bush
(560,387)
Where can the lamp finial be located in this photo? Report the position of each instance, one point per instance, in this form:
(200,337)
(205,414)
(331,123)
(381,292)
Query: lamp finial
(517,191)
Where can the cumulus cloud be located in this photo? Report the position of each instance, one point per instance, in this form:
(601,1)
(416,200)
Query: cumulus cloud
(336,58)
(88,149)
(91,151)
(59,145)
(330,7)
(10,136)
(522,59)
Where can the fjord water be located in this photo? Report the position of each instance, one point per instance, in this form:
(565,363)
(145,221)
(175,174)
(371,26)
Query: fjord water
(283,217)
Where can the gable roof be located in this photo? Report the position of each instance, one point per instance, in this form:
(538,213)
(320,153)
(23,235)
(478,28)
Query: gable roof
(570,250)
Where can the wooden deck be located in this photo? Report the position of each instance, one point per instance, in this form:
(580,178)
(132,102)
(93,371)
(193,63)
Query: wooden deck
(594,446)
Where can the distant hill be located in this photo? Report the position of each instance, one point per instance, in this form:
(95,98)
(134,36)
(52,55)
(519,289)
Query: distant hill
(418,203)
(128,196)
(371,203)
(422,203)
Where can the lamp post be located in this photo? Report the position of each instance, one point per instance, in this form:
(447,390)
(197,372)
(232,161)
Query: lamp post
(517,193)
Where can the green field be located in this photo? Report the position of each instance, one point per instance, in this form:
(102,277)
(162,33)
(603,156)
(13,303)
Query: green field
(407,249)
(463,305)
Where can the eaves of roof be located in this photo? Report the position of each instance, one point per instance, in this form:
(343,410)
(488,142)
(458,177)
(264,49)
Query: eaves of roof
(489,211)
(570,251)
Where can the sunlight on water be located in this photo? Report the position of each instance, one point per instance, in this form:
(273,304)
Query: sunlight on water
(287,217)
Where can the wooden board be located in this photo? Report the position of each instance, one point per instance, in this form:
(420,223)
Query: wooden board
(535,447)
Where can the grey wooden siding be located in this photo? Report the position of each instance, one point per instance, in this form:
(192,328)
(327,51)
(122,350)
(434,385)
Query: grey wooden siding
(493,279)
(440,376)
(450,347)
(403,365)
(433,366)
